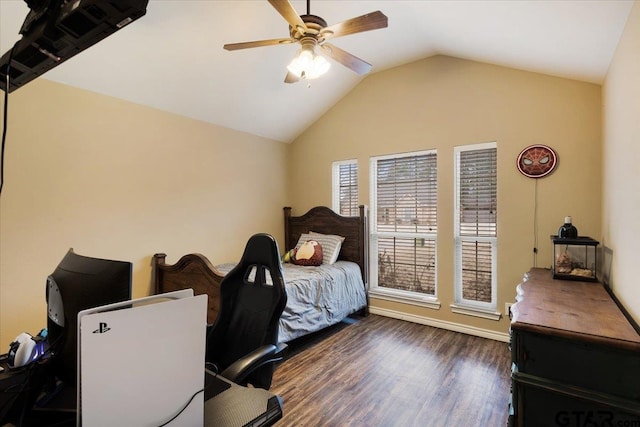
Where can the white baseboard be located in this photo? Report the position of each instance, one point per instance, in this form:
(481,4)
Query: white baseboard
(456,327)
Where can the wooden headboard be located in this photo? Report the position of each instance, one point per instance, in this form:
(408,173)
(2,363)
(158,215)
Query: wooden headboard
(197,272)
(323,220)
(191,271)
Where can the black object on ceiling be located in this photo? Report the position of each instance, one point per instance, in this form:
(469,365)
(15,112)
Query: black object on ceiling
(56,30)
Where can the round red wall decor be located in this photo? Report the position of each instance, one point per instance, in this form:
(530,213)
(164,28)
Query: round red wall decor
(537,161)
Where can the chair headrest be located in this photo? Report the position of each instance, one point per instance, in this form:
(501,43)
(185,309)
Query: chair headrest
(261,249)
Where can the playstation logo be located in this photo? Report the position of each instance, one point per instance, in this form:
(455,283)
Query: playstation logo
(102,329)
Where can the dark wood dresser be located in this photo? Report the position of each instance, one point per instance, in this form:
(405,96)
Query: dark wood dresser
(575,356)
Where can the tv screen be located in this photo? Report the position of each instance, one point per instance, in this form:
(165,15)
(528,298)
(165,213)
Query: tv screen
(78,283)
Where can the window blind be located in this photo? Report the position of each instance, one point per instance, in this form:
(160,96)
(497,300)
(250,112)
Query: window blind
(406,222)
(348,189)
(407,194)
(476,231)
(478,193)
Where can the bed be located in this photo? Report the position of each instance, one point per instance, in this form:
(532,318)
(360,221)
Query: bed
(317,296)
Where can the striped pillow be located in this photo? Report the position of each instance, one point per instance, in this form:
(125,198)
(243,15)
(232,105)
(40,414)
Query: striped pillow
(331,245)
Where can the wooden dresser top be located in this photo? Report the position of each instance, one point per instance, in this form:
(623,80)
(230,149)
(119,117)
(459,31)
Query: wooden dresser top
(571,309)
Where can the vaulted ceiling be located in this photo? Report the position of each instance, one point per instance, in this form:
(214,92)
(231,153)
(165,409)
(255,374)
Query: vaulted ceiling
(172,58)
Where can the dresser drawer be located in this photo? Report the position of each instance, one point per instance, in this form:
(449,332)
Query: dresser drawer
(540,407)
(609,370)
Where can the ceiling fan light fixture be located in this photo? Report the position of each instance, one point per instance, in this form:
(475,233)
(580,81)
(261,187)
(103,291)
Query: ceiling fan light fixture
(312,31)
(308,65)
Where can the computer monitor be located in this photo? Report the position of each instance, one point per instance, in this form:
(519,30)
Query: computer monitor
(79,283)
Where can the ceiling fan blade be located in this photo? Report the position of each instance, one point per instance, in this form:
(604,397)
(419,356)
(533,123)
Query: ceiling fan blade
(370,21)
(345,58)
(287,11)
(259,43)
(291,78)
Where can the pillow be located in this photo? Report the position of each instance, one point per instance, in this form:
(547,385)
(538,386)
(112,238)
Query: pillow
(309,253)
(331,245)
(303,238)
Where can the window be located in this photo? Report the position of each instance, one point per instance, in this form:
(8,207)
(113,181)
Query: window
(345,187)
(475,227)
(404,225)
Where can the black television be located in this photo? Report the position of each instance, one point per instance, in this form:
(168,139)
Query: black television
(78,283)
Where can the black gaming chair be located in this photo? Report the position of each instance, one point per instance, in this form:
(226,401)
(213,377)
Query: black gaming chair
(243,341)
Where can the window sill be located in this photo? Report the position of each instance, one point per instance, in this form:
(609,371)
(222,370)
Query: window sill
(405,297)
(475,311)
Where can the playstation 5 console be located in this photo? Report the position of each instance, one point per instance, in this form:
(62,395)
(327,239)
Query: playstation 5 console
(141,362)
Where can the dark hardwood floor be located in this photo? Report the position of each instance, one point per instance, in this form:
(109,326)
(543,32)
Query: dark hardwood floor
(377,371)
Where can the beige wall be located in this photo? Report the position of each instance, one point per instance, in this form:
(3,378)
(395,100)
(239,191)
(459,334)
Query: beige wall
(621,184)
(442,102)
(93,173)
(117,180)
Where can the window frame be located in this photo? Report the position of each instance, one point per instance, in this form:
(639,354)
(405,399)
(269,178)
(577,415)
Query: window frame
(336,187)
(391,294)
(461,304)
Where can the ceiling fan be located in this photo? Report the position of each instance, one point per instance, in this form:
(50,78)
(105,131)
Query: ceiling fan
(311,31)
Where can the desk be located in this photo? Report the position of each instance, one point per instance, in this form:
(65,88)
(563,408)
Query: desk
(226,404)
(19,387)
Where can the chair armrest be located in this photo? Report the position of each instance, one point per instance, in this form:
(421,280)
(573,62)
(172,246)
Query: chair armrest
(242,367)
(281,348)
